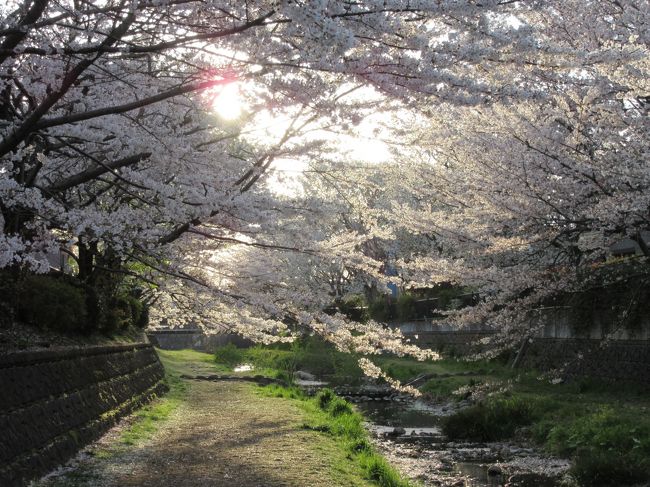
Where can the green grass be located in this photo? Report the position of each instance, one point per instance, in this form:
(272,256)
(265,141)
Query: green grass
(177,362)
(148,419)
(379,471)
(314,355)
(327,413)
(333,416)
(311,354)
(449,374)
(586,420)
(274,390)
(603,428)
(333,438)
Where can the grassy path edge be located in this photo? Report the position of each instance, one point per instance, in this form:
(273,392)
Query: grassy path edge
(338,438)
(333,416)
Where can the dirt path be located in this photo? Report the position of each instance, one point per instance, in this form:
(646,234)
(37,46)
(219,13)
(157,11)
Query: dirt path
(223,434)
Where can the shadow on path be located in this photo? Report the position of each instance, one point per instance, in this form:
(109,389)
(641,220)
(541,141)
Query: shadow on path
(224,434)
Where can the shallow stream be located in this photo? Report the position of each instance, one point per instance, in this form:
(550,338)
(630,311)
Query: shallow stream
(408,433)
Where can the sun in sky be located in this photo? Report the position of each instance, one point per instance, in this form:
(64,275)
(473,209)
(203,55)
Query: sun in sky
(364,144)
(228,103)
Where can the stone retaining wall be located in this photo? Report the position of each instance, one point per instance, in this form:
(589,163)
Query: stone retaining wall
(614,361)
(52,403)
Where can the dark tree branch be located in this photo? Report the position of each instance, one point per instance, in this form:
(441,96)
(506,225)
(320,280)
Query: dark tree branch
(30,124)
(18,34)
(161,46)
(127,107)
(251,244)
(94,173)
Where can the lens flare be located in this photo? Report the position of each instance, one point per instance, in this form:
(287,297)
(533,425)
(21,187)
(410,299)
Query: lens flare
(228,103)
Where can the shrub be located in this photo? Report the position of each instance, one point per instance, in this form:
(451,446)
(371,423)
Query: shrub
(322,358)
(381,309)
(406,307)
(338,407)
(607,449)
(354,307)
(489,421)
(266,357)
(119,314)
(445,296)
(53,303)
(605,429)
(288,363)
(60,303)
(143,321)
(283,376)
(324,397)
(600,468)
(229,355)
(139,312)
(124,311)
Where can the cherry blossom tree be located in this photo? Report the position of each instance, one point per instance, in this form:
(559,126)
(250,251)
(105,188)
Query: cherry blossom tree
(109,143)
(526,199)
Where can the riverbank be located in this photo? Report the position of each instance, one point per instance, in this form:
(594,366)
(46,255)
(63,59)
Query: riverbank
(217,433)
(603,428)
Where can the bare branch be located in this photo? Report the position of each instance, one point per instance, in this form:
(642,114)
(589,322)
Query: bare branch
(94,173)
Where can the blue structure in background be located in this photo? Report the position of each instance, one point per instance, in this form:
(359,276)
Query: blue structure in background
(393,289)
(389,270)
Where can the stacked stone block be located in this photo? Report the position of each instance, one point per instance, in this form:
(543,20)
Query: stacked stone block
(52,403)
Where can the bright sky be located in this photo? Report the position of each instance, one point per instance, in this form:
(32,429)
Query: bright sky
(228,104)
(365,146)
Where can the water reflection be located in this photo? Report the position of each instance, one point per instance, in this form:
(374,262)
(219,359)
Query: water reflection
(477,475)
(243,368)
(411,432)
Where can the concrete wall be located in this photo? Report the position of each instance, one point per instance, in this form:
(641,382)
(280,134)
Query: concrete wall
(437,335)
(52,403)
(458,342)
(557,323)
(428,325)
(551,322)
(623,357)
